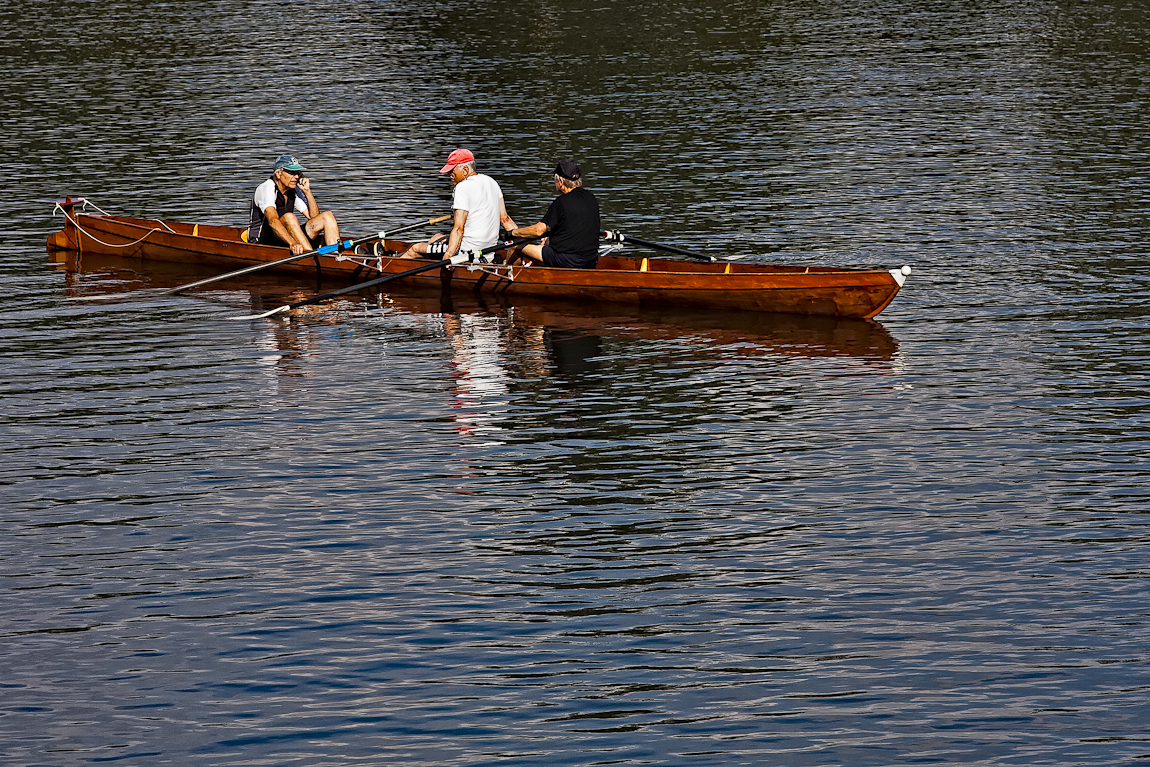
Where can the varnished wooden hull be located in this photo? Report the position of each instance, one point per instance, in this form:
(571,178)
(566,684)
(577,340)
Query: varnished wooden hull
(745,286)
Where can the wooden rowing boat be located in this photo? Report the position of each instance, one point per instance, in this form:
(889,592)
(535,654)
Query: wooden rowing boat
(832,291)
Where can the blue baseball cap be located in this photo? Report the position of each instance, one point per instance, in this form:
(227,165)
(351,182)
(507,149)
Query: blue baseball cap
(287,162)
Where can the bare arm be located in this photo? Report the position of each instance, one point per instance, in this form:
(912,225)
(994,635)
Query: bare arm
(277,226)
(304,186)
(456,237)
(505,219)
(535,230)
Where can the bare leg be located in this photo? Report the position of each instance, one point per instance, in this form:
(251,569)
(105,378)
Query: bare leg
(326,222)
(419,249)
(291,223)
(529,253)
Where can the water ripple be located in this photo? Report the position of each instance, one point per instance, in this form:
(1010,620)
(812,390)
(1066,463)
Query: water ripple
(410,531)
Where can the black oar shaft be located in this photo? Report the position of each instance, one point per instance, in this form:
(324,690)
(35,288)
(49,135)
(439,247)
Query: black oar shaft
(458,258)
(326,249)
(620,237)
(250,269)
(369,284)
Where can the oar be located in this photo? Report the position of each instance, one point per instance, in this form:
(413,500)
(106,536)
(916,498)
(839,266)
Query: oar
(459,258)
(620,237)
(325,250)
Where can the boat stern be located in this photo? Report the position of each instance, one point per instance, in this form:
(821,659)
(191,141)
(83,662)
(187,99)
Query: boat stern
(67,238)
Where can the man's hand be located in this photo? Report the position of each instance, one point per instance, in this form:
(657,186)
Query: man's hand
(304,185)
(297,250)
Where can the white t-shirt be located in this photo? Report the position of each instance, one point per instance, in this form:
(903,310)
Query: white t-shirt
(481,197)
(266,198)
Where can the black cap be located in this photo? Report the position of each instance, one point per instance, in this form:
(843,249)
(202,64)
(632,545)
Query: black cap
(568,169)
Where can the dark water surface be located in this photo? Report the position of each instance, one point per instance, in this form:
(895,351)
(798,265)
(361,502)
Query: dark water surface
(403,531)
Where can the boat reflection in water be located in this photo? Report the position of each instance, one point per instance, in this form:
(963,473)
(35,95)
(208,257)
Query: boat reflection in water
(503,352)
(497,340)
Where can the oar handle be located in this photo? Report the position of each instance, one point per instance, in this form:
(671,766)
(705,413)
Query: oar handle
(416,225)
(620,237)
(462,257)
(336,247)
(381,236)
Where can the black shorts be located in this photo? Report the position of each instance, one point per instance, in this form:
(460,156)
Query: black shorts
(569,260)
(268,236)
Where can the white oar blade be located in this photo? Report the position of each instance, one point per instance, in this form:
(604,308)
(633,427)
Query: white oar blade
(268,313)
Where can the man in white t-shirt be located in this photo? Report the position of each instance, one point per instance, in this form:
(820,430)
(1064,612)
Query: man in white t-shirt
(479,211)
(276,203)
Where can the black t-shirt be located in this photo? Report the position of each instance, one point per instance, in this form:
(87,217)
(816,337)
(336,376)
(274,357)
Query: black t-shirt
(573,223)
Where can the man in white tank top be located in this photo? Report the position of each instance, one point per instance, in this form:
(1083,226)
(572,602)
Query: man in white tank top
(479,211)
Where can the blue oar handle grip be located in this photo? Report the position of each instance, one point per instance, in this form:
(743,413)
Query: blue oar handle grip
(334,247)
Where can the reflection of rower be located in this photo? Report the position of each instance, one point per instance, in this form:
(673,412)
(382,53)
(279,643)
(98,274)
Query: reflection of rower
(478,355)
(574,353)
(571,223)
(490,353)
(481,379)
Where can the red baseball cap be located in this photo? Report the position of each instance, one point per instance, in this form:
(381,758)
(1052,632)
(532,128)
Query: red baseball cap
(458,157)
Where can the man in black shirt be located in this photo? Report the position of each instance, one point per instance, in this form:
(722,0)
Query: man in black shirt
(571,225)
